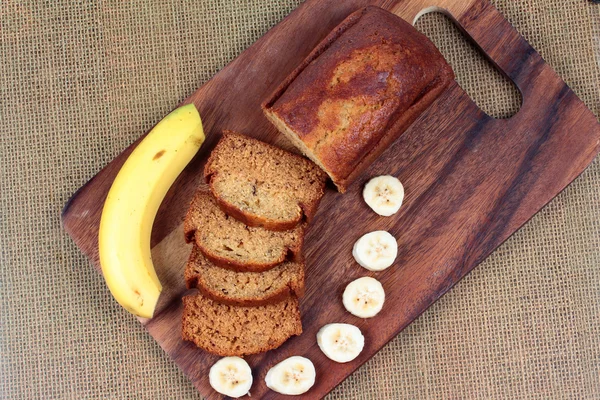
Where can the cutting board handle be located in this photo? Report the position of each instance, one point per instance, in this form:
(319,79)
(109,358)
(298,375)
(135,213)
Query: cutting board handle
(501,42)
(480,21)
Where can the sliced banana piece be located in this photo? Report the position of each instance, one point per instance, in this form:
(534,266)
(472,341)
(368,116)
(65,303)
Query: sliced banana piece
(384,194)
(376,250)
(340,342)
(231,376)
(294,375)
(364,297)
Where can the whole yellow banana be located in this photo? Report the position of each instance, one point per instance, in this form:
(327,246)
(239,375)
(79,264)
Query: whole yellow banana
(132,204)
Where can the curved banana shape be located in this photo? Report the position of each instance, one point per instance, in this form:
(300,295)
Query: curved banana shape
(132,204)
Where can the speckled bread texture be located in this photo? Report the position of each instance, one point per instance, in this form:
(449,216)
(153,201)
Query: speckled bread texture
(243,288)
(357,91)
(227,330)
(263,185)
(231,244)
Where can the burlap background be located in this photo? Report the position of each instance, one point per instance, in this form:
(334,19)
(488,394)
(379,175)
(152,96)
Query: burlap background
(81,81)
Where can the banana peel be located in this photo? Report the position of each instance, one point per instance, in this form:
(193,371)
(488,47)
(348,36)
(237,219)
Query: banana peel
(132,204)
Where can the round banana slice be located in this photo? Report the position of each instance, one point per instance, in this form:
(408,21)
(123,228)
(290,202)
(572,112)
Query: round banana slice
(231,376)
(384,194)
(375,251)
(293,376)
(364,297)
(340,342)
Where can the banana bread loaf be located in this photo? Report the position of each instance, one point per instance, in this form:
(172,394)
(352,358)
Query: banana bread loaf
(231,244)
(228,330)
(358,90)
(243,288)
(263,185)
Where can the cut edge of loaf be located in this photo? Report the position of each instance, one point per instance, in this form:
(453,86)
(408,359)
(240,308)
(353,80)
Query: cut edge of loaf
(195,280)
(307,211)
(289,133)
(240,345)
(291,252)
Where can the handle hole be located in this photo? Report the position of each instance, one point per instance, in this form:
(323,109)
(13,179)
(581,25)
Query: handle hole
(493,93)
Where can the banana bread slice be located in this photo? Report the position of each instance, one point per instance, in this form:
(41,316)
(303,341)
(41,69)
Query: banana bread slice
(263,185)
(231,244)
(243,288)
(228,330)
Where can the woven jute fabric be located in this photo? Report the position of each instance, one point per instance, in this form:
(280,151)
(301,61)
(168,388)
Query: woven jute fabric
(79,81)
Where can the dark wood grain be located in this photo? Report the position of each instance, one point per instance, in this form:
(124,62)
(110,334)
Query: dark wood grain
(471,181)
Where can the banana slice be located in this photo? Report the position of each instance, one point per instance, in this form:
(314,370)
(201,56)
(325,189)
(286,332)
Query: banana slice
(294,375)
(364,297)
(231,376)
(375,251)
(384,194)
(340,342)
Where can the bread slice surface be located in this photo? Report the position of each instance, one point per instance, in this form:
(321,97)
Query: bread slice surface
(231,244)
(243,288)
(263,185)
(227,330)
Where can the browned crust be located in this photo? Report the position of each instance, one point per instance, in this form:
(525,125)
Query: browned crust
(316,52)
(298,287)
(223,353)
(390,135)
(395,128)
(250,219)
(309,210)
(188,229)
(272,343)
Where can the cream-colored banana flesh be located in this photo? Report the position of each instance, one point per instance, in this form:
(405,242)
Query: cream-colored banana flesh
(340,342)
(231,376)
(384,194)
(293,376)
(132,204)
(376,250)
(364,297)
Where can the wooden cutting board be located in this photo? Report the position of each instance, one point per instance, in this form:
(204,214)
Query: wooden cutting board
(471,181)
